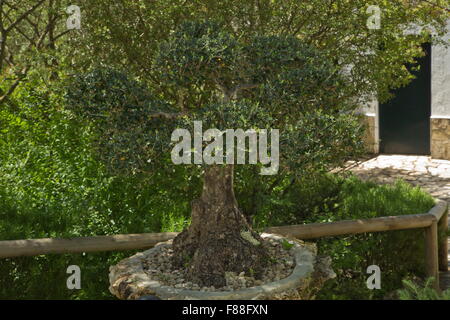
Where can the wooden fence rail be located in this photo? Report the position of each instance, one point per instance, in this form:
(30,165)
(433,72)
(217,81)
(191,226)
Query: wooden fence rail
(33,247)
(433,221)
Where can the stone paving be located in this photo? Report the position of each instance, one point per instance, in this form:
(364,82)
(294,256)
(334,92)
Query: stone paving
(431,174)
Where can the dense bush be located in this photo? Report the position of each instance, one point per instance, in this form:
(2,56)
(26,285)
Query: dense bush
(397,253)
(51,185)
(425,291)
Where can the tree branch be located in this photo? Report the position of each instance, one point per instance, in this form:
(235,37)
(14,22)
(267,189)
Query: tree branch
(241,87)
(24,15)
(13,87)
(61,34)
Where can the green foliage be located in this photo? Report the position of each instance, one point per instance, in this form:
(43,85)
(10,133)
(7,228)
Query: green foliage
(196,54)
(52,185)
(34,43)
(320,141)
(287,245)
(127,34)
(55,185)
(44,277)
(415,291)
(173,222)
(129,140)
(397,253)
(227,82)
(287,56)
(285,200)
(332,198)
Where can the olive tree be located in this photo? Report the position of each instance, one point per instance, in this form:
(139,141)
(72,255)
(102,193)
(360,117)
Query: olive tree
(127,32)
(264,82)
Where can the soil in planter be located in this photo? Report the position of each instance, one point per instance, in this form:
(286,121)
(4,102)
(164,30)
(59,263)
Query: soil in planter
(281,263)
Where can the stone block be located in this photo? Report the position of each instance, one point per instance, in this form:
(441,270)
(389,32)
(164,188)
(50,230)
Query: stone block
(440,138)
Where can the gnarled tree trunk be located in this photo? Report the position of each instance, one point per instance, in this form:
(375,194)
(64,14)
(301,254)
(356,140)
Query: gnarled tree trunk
(219,238)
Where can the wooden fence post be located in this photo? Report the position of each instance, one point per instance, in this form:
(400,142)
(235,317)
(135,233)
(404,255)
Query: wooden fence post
(431,253)
(443,244)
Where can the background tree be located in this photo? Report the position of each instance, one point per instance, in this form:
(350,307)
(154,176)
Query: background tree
(126,33)
(227,82)
(31,35)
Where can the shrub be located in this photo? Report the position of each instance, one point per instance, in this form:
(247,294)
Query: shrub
(415,291)
(332,198)
(52,186)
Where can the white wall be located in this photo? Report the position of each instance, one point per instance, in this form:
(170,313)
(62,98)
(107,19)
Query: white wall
(440,80)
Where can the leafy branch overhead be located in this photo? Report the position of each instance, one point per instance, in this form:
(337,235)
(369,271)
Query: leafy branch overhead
(266,81)
(135,29)
(30,32)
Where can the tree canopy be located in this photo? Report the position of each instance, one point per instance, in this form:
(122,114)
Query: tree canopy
(268,81)
(127,33)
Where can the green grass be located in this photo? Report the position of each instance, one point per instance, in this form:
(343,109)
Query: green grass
(330,198)
(399,253)
(52,185)
(414,291)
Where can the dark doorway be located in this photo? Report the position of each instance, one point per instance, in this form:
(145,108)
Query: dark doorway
(405,119)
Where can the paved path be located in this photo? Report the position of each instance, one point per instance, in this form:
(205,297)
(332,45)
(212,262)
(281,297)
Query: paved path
(431,174)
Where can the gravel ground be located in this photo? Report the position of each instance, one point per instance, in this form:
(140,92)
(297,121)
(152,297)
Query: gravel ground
(281,264)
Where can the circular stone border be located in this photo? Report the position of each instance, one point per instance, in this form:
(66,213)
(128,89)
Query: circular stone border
(128,280)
